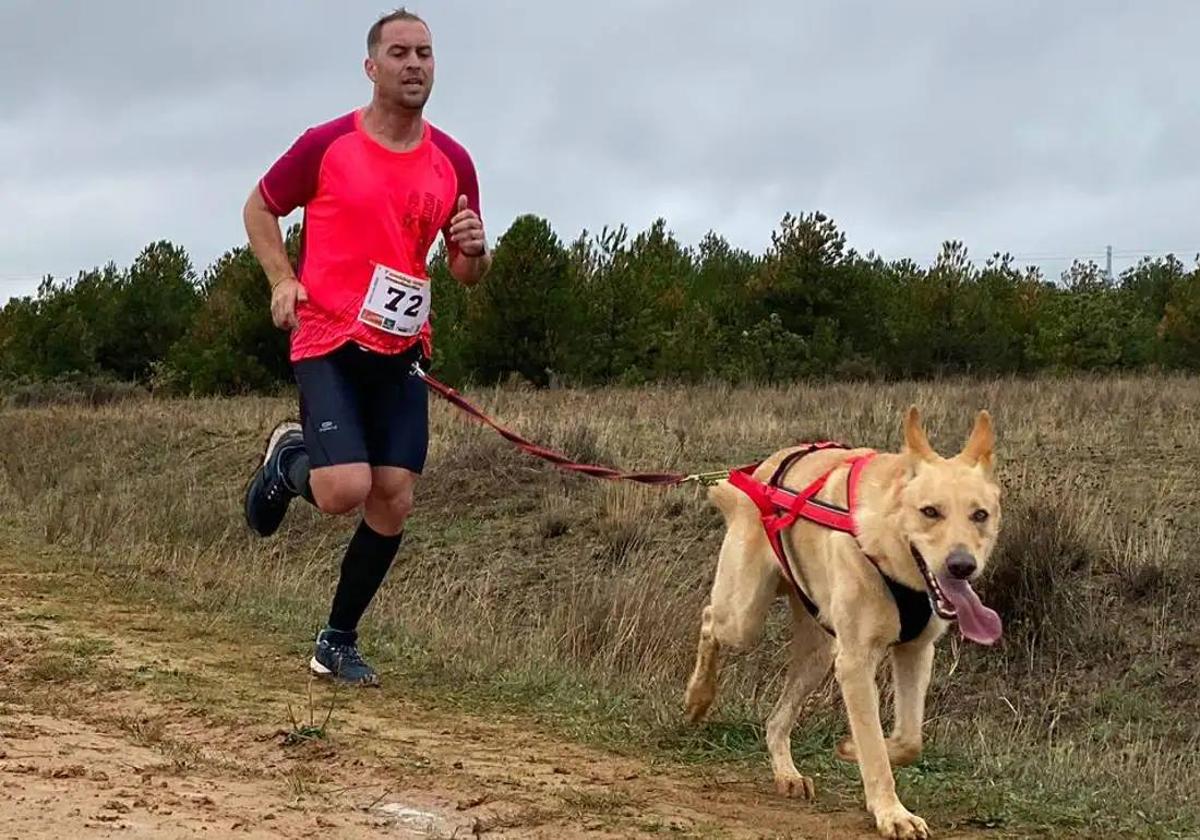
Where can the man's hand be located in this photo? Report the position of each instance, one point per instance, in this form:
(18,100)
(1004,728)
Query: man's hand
(284,297)
(466,230)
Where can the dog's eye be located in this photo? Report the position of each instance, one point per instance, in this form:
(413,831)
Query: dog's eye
(931,512)
(980,515)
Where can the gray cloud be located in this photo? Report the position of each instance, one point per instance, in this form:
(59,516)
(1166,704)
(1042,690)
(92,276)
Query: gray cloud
(1042,129)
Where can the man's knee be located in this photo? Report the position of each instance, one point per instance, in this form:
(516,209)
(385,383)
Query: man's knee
(340,491)
(390,500)
(401,504)
(392,503)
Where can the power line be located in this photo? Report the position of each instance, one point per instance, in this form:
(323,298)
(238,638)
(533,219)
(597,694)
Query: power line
(1060,257)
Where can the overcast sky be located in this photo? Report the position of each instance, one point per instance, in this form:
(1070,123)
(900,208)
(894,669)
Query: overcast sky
(1046,129)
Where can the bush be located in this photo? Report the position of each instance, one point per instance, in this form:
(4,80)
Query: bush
(69,389)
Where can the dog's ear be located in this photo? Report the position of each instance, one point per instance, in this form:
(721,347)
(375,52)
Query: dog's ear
(916,444)
(981,445)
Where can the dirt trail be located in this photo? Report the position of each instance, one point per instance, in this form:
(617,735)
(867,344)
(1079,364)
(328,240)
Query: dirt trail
(116,721)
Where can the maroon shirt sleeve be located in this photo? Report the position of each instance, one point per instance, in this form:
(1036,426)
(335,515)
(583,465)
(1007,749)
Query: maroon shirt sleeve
(291,181)
(464,171)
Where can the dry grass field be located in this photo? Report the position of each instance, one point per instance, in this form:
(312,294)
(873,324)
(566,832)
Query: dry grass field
(567,609)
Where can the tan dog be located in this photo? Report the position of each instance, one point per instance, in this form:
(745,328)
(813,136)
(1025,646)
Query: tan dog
(928,523)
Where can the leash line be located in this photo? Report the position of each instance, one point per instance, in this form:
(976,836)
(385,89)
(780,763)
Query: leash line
(778,507)
(658,479)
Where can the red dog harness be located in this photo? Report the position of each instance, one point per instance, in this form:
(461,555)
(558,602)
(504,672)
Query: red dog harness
(781,507)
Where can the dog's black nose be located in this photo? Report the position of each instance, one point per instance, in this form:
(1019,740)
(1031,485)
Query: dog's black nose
(960,564)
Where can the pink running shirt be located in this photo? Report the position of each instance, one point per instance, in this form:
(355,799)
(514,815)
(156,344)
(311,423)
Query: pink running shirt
(363,204)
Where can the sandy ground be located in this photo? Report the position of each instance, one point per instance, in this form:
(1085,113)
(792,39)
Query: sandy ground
(117,721)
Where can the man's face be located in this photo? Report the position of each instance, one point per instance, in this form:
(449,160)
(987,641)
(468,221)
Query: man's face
(402,65)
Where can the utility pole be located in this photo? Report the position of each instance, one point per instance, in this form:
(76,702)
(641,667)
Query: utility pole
(1108,263)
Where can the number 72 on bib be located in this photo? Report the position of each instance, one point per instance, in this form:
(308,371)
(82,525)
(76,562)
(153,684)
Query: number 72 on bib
(396,302)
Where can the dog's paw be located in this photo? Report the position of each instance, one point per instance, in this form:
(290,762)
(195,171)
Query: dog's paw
(697,700)
(795,786)
(896,823)
(899,755)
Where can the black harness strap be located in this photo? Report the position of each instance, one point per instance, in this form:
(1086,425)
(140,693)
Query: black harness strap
(913,605)
(793,569)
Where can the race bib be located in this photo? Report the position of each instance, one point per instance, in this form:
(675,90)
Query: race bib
(396,303)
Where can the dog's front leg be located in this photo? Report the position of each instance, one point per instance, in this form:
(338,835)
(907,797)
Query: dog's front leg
(912,665)
(855,667)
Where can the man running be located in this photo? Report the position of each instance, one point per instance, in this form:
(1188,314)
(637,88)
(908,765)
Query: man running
(376,185)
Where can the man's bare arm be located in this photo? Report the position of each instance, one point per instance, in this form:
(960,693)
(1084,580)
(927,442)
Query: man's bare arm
(469,270)
(266,242)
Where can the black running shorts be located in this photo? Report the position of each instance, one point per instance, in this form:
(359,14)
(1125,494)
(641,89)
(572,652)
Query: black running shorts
(358,406)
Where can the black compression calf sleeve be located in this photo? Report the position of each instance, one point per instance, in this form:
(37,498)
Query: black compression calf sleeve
(295,473)
(364,566)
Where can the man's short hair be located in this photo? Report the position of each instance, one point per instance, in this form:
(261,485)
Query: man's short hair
(375,34)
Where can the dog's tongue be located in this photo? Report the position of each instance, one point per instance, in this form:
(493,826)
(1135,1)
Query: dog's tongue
(978,623)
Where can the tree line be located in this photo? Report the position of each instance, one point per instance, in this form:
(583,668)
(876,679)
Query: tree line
(620,308)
